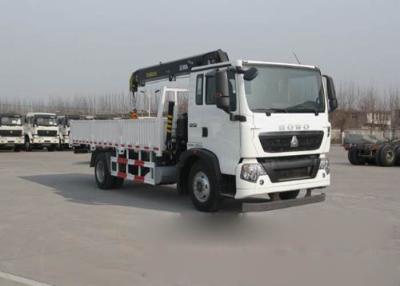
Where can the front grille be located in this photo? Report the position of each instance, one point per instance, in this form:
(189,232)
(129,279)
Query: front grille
(47,133)
(291,168)
(10,133)
(274,142)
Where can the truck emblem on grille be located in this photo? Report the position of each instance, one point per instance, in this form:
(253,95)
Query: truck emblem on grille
(294,142)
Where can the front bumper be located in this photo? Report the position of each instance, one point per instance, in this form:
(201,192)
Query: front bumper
(263,186)
(44,140)
(11,141)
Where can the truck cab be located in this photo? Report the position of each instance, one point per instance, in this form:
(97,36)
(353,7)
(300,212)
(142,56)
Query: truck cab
(64,130)
(266,123)
(41,130)
(11,132)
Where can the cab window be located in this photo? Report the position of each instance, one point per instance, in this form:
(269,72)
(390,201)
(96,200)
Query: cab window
(210,90)
(199,89)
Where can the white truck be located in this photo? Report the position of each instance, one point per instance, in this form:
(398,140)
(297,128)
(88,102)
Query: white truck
(11,132)
(242,129)
(64,130)
(41,130)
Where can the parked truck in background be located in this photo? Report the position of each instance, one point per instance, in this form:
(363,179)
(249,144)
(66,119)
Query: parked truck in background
(64,130)
(11,132)
(239,129)
(41,130)
(369,150)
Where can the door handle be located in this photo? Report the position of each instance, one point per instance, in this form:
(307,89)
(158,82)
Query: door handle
(192,124)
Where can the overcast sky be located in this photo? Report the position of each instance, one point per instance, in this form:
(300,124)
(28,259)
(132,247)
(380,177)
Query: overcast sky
(61,48)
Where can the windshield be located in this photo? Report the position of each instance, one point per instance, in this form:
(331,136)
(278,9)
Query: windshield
(10,120)
(46,121)
(285,89)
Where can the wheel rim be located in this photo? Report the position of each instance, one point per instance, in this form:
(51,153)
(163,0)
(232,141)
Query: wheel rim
(201,187)
(100,171)
(390,156)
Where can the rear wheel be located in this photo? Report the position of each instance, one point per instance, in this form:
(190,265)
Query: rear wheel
(354,158)
(118,182)
(102,174)
(203,188)
(397,154)
(386,155)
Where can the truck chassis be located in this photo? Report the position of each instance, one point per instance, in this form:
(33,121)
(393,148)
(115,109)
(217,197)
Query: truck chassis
(385,154)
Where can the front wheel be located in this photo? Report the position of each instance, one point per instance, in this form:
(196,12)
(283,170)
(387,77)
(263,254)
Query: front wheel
(51,148)
(354,157)
(28,146)
(203,188)
(60,146)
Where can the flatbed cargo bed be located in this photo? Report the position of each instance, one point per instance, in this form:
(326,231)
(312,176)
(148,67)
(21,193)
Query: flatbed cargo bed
(146,133)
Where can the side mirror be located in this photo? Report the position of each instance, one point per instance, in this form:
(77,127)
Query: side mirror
(330,88)
(250,74)
(222,90)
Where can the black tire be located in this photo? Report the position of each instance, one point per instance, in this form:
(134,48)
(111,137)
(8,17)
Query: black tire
(60,146)
(370,161)
(28,146)
(353,157)
(107,181)
(102,174)
(289,195)
(51,148)
(17,149)
(386,156)
(203,188)
(118,182)
(397,153)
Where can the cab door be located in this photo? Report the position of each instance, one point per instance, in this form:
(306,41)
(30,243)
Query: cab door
(211,128)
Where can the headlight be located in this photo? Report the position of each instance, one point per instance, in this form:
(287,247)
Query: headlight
(324,165)
(251,172)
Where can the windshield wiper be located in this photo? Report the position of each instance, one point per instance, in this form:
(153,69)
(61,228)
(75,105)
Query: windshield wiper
(268,111)
(304,110)
(305,107)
